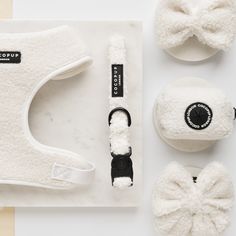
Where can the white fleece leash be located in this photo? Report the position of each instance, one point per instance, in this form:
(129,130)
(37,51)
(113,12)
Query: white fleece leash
(119,117)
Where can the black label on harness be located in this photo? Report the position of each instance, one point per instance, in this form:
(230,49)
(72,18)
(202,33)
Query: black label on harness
(117,86)
(10,57)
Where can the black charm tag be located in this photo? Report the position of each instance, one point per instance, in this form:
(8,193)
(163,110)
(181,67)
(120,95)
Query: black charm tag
(117,86)
(198,116)
(13,57)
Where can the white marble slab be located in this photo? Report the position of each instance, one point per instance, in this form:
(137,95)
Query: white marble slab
(72,114)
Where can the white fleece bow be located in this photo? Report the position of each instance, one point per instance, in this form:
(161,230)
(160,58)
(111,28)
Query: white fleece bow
(213,22)
(184,208)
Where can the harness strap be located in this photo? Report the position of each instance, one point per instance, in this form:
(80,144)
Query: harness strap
(73,175)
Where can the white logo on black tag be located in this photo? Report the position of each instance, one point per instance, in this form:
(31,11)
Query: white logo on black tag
(198,116)
(10,57)
(117,86)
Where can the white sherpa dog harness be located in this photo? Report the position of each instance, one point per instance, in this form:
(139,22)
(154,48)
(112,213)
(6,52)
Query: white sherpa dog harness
(187,206)
(27,62)
(191,114)
(212,22)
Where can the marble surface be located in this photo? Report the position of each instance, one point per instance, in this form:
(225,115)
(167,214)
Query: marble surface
(72,114)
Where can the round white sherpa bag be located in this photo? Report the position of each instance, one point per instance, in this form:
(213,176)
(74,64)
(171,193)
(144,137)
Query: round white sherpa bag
(191,115)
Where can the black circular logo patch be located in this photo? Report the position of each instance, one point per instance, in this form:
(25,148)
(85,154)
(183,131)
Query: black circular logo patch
(198,116)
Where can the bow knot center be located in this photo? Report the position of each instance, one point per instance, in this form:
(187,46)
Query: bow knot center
(194,202)
(194,24)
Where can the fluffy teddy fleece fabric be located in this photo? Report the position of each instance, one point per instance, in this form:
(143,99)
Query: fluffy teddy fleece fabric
(119,130)
(184,208)
(119,137)
(52,54)
(171,106)
(213,22)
